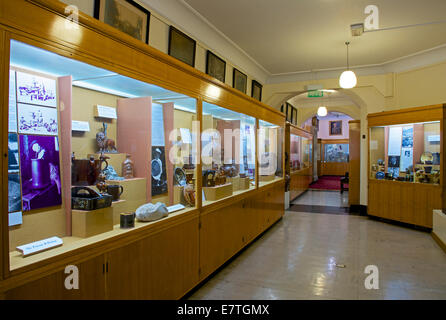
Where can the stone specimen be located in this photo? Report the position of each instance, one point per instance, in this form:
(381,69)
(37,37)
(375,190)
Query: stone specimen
(151,212)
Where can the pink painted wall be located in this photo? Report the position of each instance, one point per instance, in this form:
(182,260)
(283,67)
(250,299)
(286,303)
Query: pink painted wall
(168,110)
(135,135)
(324,132)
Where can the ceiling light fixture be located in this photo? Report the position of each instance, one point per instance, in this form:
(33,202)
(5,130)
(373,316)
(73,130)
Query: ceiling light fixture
(322,111)
(347,80)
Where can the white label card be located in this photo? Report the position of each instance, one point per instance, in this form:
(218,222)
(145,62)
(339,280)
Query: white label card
(39,246)
(83,126)
(106,112)
(176,207)
(15,219)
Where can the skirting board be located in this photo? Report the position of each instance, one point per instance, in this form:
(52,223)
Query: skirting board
(438,240)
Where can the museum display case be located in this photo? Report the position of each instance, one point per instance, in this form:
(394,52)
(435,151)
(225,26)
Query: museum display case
(86,149)
(299,146)
(334,156)
(270,159)
(228,153)
(405,164)
(105,163)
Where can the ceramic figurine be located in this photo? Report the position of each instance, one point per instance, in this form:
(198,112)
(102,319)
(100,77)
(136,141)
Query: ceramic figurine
(101,184)
(128,168)
(220,177)
(209,178)
(111,174)
(179,177)
(189,195)
(105,144)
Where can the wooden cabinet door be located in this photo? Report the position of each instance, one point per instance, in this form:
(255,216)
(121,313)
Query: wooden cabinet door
(162,266)
(52,287)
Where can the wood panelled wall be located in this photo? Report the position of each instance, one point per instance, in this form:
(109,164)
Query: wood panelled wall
(354,162)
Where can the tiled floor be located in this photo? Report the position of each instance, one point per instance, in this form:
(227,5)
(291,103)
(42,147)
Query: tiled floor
(323,198)
(297,258)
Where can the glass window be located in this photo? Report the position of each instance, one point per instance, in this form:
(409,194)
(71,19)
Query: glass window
(334,152)
(228,153)
(270,152)
(409,152)
(131,149)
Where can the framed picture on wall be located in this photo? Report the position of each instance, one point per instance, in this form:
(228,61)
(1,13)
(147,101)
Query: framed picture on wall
(215,66)
(181,46)
(289,111)
(256,90)
(335,128)
(239,80)
(294,116)
(124,15)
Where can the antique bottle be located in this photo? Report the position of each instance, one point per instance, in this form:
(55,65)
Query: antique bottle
(128,168)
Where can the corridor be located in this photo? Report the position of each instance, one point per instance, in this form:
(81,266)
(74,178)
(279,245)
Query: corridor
(323,256)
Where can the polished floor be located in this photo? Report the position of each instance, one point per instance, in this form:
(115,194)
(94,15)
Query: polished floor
(323,256)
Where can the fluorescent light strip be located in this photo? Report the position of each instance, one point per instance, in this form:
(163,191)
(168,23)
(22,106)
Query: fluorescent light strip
(90,86)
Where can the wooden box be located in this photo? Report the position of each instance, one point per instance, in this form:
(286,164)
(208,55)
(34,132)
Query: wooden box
(235,183)
(244,183)
(218,192)
(89,223)
(268,178)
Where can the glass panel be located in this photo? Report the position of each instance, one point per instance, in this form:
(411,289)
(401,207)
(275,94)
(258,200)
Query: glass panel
(409,152)
(89,148)
(228,153)
(336,152)
(270,152)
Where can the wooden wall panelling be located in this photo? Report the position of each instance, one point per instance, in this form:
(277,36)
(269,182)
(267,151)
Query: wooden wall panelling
(52,287)
(4,102)
(406,115)
(354,162)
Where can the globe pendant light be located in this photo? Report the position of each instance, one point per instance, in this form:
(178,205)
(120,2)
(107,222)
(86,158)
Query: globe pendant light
(322,111)
(347,80)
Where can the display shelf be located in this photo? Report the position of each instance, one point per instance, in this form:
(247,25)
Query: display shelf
(269,181)
(233,196)
(72,243)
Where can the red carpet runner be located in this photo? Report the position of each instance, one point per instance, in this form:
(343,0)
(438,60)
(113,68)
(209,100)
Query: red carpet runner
(328,183)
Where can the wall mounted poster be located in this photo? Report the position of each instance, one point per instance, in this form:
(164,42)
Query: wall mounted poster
(406,158)
(37,120)
(12,103)
(158,166)
(13,153)
(394,161)
(40,172)
(34,89)
(407,137)
(395,136)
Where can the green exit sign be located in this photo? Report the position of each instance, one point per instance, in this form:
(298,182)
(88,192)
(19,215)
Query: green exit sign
(315,94)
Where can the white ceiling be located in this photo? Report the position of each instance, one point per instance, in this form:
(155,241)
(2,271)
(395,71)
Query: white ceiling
(289,36)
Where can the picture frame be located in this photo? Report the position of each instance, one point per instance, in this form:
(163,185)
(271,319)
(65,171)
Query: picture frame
(256,90)
(126,16)
(239,80)
(335,128)
(215,66)
(294,116)
(181,46)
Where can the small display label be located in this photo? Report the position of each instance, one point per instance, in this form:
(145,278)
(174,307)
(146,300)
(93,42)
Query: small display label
(83,126)
(106,112)
(39,246)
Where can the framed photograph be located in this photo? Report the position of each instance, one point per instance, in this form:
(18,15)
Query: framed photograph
(37,120)
(40,172)
(289,111)
(256,90)
(158,165)
(294,116)
(181,46)
(38,90)
(335,128)
(215,66)
(124,15)
(239,80)
(394,161)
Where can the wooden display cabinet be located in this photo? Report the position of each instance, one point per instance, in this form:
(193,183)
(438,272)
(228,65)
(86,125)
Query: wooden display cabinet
(167,258)
(404,201)
(303,176)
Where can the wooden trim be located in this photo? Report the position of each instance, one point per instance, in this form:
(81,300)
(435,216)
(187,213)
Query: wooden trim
(337,141)
(257,152)
(354,121)
(439,241)
(4,102)
(299,131)
(199,172)
(407,115)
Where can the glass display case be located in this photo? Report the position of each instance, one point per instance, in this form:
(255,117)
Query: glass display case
(301,152)
(407,153)
(92,153)
(228,153)
(270,142)
(336,152)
